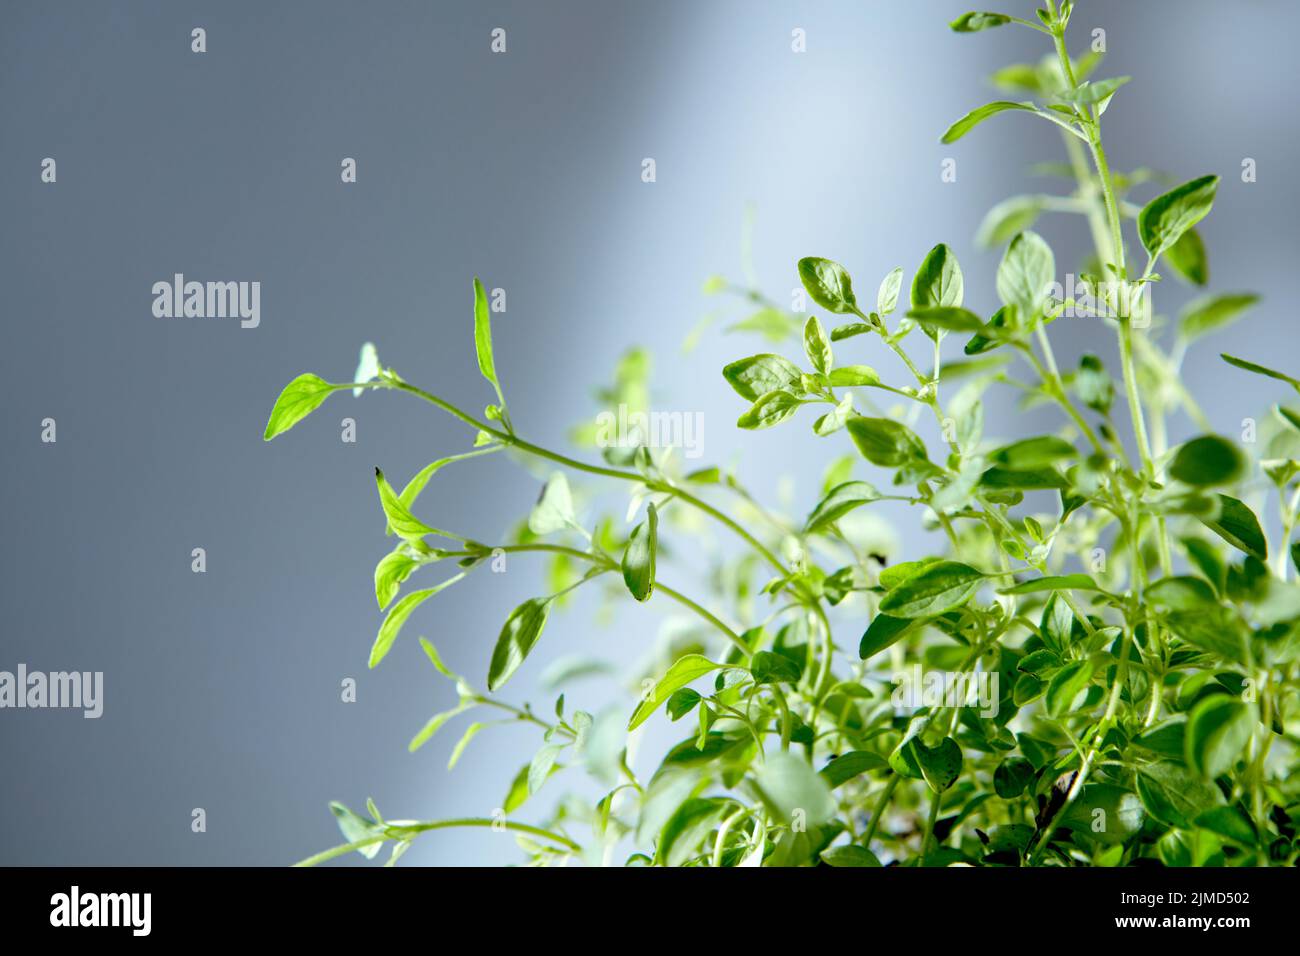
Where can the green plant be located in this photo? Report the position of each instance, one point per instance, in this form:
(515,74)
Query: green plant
(1116,613)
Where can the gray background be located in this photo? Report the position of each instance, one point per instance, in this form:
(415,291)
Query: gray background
(222,689)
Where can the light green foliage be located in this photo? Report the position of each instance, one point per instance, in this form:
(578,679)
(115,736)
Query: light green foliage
(1117,638)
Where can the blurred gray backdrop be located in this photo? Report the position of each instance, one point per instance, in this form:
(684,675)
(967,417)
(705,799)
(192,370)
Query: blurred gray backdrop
(223,689)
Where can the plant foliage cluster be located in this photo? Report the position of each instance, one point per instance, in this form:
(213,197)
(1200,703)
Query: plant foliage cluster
(1120,591)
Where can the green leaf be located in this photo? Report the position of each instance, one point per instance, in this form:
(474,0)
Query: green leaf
(769,668)
(770,409)
(684,670)
(687,829)
(417,484)
(1053,582)
(1165,219)
(356,828)
(995,332)
(483,336)
(434,724)
(828,284)
(1065,685)
(639,556)
(1174,795)
(1261,370)
(299,399)
(932,590)
(1187,258)
(1237,525)
(1005,479)
(840,770)
(1094,385)
(397,616)
(1181,593)
(554,508)
(1032,453)
(883,631)
(1091,93)
(1208,460)
(788,785)
(887,294)
(458,751)
(851,376)
(1218,730)
(1214,312)
(838,502)
(975,22)
(517,639)
(834,420)
(1026,274)
(949,318)
(1007,218)
(851,855)
(817,346)
(1012,776)
(399,517)
(978,115)
(681,702)
(885,442)
(394,568)
(757,375)
(1230,823)
(938,282)
(543,762)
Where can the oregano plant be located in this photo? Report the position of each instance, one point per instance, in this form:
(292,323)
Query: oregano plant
(1096,665)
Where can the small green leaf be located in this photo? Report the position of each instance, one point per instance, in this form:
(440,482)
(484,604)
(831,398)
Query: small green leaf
(887,294)
(788,785)
(397,616)
(458,751)
(1237,525)
(851,855)
(554,508)
(1174,795)
(845,767)
(1214,312)
(543,763)
(686,669)
(639,556)
(838,502)
(483,336)
(356,828)
(434,724)
(978,115)
(394,568)
(681,702)
(885,442)
(1053,582)
(299,399)
(852,376)
(1065,685)
(1007,218)
(1208,460)
(828,284)
(770,409)
(769,668)
(932,590)
(938,282)
(883,631)
(517,639)
(1026,274)
(1032,453)
(975,22)
(399,517)
(949,318)
(1165,219)
(1187,258)
(1218,731)
(1261,370)
(817,346)
(757,375)
(1093,384)
(1012,776)
(1230,823)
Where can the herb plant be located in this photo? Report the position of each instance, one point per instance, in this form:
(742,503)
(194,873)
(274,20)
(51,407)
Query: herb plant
(1114,593)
